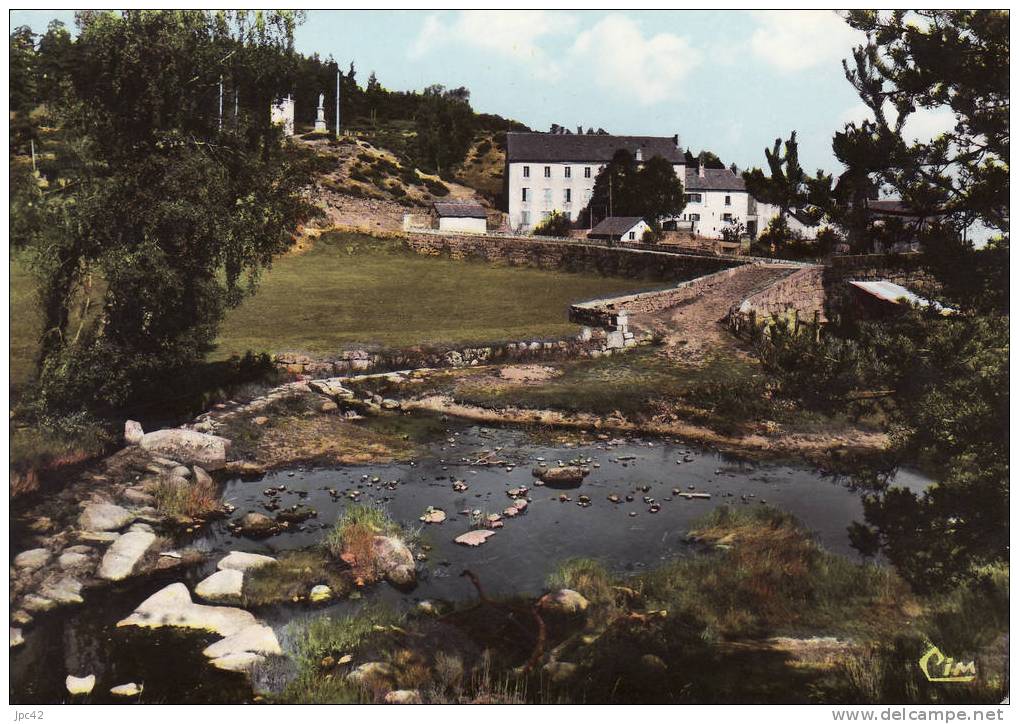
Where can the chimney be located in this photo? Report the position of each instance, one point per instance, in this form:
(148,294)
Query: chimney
(700,167)
(580,130)
(675,140)
(640,155)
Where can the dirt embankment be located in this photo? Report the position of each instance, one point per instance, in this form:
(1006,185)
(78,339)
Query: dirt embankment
(815,447)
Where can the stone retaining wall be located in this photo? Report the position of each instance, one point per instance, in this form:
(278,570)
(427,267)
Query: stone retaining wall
(908,270)
(818,294)
(593,341)
(570,256)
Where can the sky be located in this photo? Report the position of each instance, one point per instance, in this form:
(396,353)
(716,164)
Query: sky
(726,81)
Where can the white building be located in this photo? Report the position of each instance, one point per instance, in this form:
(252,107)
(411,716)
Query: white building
(548,172)
(620,228)
(715,197)
(282,114)
(461,217)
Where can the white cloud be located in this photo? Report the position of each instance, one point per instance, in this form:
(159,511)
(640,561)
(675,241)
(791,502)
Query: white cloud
(617,56)
(923,125)
(613,54)
(792,40)
(510,33)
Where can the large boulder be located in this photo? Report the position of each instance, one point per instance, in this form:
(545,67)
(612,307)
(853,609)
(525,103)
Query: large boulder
(222,586)
(403,696)
(188,447)
(394,559)
(172,606)
(103,517)
(568,476)
(123,556)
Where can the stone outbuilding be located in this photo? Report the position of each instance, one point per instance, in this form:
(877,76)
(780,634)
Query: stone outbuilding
(620,228)
(459,216)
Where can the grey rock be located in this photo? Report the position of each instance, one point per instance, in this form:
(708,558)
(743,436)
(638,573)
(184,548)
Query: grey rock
(133,432)
(32,559)
(172,606)
(395,560)
(188,446)
(123,556)
(221,587)
(17,639)
(65,591)
(238,561)
(104,517)
(72,560)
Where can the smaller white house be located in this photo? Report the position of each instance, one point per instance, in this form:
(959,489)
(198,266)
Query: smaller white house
(282,114)
(620,228)
(459,216)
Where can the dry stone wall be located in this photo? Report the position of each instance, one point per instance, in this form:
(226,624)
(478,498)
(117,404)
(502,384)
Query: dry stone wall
(570,256)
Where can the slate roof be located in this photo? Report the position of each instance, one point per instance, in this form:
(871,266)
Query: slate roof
(615,225)
(715,179)
(459,210)
(558,148)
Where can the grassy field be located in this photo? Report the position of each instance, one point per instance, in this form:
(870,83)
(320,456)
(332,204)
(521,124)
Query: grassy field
(24,321)
(352,290)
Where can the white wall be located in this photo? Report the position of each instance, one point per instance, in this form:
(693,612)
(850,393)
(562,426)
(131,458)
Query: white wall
(282,113)
(456,223)
(712,209)
(538,205)
(767,212)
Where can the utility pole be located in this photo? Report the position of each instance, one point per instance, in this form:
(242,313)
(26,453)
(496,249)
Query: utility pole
(32,142)
(220,103)
(610,193)
(337,102)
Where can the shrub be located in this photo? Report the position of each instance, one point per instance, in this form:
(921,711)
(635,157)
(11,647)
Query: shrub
(556,223)
(186,500)
(351,539)
(436,188)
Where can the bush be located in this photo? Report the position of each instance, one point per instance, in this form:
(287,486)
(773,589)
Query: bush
(436,188)
(556,223)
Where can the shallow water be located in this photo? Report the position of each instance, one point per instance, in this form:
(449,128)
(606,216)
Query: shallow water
(516,560)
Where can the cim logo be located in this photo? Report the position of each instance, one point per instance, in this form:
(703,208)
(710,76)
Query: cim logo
(938,667)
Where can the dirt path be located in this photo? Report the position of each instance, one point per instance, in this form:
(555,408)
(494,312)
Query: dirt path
(694,328)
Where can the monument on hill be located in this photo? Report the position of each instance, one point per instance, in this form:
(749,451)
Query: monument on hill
(320,120)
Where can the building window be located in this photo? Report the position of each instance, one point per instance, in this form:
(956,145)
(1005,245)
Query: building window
(523,194)
(527,172)
(633,235)
(694,198)
(525,218)
(548,172)
(728,200)
(587,195)
(568,195)
(726,217)
(567,172)
(587,172)
(695,217)
(548,196)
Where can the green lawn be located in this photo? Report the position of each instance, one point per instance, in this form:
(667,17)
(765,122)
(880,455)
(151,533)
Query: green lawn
(352,290)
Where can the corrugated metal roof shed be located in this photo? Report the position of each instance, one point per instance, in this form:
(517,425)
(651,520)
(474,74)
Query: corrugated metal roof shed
(894,293)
